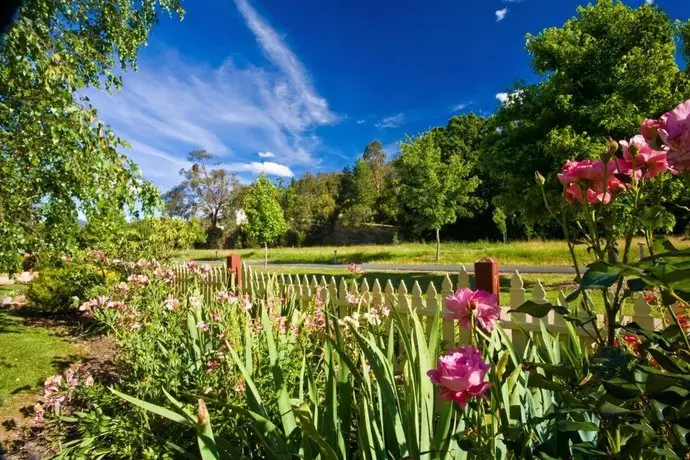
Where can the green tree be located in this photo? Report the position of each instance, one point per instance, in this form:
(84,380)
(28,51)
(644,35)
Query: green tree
(57,159)
(265,219)
(603,72)
(309,204)
(358,194)
(376,157)
(433,192)
(500,219)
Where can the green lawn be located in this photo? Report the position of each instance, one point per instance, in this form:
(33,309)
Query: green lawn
(516,253)
(28,354)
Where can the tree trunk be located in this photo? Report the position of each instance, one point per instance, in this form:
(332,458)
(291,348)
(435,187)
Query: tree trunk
(438,244)
(265,255)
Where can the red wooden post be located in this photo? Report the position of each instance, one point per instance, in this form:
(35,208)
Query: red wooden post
(234,266)
(486,275)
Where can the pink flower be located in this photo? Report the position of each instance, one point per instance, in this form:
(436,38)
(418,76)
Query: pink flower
(355,269)
(578,171)
(216,316)
(676,135)
(647,161)
(202,326)
(460,374)
(246,303)
(466,303)
(239,387)
(135,326)
(211,366)
(650,129)
(171,303)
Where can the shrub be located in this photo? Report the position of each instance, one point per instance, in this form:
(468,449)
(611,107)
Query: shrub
(215,238)
(59,290)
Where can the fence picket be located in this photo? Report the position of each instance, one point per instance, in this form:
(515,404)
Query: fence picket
(448,326)
(463,278)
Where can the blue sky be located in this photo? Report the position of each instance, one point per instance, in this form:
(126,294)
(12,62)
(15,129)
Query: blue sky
(285,90)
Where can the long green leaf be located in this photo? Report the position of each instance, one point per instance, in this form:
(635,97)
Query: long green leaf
(158,410)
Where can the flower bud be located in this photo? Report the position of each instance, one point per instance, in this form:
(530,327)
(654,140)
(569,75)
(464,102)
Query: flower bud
(202,413)
(539,178)
(634,149)
(611,147)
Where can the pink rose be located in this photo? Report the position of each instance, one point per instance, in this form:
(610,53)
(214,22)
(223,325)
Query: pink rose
(577,171)
(650,129)
(466,303)
(460,374)
(676,135)
(646,163)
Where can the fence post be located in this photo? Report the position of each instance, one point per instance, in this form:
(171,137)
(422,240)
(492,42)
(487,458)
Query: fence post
(234,267)
(486,275)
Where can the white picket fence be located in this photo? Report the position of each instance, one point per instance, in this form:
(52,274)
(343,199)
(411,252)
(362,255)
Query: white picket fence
(425,302)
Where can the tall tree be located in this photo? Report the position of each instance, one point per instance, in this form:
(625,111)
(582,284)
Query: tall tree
(309,203)
(603,72)
(433,192)
(56,158)
(358,194)
(205,191)
(265,218)
(376,157)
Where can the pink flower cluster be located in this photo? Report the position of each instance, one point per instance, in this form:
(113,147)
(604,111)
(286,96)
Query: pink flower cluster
(59,389)
(171,303)
(198,269)
(673,129)
(467,305)
(139,280)
(662,146)
(355,269)
(460,374)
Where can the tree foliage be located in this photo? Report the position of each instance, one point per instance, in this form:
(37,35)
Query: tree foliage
(358,194)
(57,159)
(265,218)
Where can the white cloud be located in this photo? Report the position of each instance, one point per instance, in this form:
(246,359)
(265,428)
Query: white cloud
(501,14)
(513,1)
(360,122)
(649,2)
(266,154)
(173,105)
(267,167)
(459,107)
(503,97)
(392,121)
(507,97)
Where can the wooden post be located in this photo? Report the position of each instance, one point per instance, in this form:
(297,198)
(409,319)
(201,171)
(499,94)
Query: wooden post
(486,275)
(234,266)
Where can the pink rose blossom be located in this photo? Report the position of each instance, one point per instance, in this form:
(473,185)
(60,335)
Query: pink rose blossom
(460,374)
(466,303)
(650,129)
(676,135)
(652,162)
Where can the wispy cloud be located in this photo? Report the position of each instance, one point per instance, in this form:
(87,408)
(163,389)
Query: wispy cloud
(649,2)
(392,121)
(360,122)
(513,1)
(501,14)
(503,97)
(460,107)
(173,105)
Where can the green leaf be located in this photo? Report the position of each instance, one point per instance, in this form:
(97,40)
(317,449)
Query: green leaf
(158,410)
(538,310)
(569,426)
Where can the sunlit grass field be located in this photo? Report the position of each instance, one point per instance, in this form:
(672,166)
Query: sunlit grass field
(512,253)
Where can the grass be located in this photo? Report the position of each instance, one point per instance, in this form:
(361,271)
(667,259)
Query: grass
(28,354)
(514,253)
